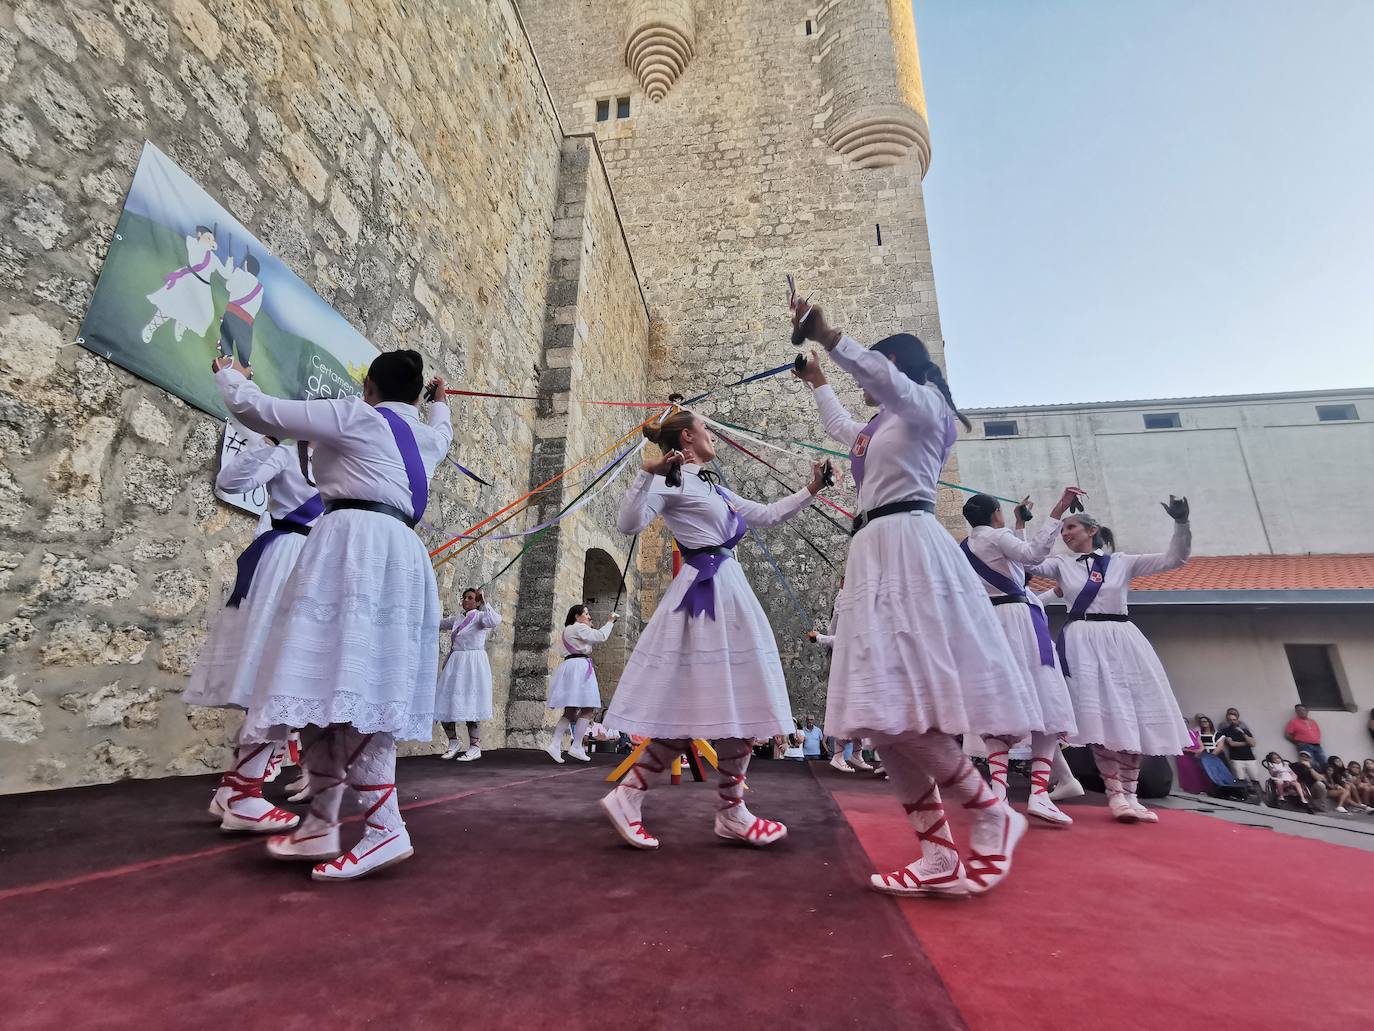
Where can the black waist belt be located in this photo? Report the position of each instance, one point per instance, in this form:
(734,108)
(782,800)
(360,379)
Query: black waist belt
(1010,599)
(286,526)
(567,657)
(718,549)
(896,508)
(371,506)
(1098,617)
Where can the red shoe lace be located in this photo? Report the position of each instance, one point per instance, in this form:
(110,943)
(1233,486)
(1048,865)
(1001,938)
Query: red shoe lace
(923,805)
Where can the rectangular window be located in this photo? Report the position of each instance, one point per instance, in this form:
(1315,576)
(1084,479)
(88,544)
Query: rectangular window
(1314,673)
(603,110)
(879,230)
(1336,413)
(999,428)
(1162,421)
(808,26)
(622,107)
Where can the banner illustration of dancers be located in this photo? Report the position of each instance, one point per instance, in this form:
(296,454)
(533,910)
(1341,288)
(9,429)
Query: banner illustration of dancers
(184,281)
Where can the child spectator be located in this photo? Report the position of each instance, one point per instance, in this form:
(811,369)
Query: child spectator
(1283,782)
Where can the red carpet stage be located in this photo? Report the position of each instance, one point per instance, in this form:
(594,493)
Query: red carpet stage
(122,908)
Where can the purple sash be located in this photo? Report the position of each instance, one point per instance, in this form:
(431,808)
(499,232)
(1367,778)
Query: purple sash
(1081,603)
(248,296)
(1009,587)
(453,636)
(171,280)
(572,654)
(247,563)
(859,452)
(410,455)
(701,596)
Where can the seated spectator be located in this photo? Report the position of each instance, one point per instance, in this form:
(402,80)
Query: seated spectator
(1284,783)
(794,748)
(1311,778)
(1239,745)
(1342,792)
(1304,734)
(1202,738)
(1364,788)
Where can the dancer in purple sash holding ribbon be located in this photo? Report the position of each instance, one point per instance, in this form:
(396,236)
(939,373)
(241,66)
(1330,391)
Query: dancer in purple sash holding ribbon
(999,557)
(920,656)
(226,671)
(706,665)
(574,688)
(464,693)
(1122,700)
(353,654)
(184,297)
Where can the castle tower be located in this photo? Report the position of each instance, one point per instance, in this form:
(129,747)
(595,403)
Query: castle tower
(745,140)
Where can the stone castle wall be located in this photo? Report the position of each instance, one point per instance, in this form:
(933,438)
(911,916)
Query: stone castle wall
(726,184)
(406,165)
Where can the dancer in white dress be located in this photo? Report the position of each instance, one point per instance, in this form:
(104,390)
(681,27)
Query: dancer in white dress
(574,687)
(464,692)
(706,665)
(353,654)
(1122,700)
(921,657)
(999,557)
(226,669)
(184,298)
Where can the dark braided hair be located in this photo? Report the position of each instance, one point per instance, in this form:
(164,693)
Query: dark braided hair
(912,359)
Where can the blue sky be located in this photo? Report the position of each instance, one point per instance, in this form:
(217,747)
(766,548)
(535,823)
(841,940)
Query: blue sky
(1133,200)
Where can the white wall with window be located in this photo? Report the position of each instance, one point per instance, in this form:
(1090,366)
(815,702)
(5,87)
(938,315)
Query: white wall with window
(1267,474)
(1265,659)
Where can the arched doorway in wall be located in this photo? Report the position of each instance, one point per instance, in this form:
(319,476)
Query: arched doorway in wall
(600,580)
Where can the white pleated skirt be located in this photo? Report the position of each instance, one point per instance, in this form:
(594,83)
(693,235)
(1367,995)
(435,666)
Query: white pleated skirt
(226,670)
(356,636)
(574,684)
(919,647)
(1121,695)
(702,677)
(464,691)
(1050,690)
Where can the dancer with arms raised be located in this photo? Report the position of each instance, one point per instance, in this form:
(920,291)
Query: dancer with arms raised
(353,655)
(1122,700)
(706,665)
(920,657)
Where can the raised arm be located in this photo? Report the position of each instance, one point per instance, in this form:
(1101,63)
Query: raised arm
(488,617)
(763,516)
(253,467)
(318,420)
(590,635)
(640,506)
(887,385)
(448,623)
(439,421)
(1029,552)
(836,419)
(1180,547)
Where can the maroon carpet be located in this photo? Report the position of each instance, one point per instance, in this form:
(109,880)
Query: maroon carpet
(123,907)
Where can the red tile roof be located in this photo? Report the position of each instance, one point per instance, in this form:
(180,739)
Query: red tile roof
(1259,573)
